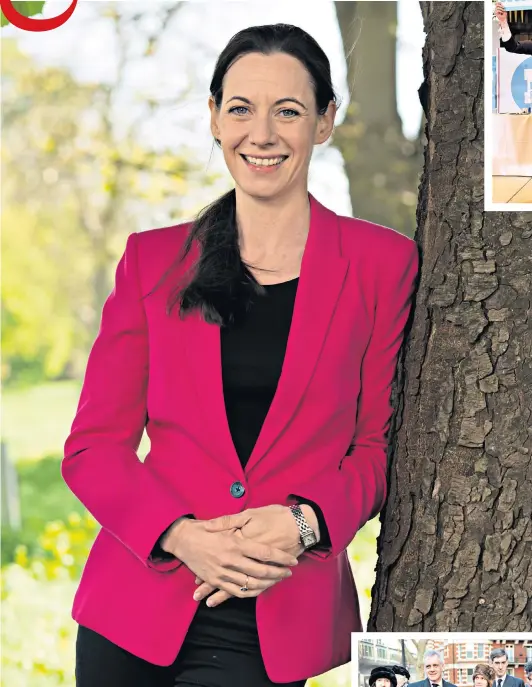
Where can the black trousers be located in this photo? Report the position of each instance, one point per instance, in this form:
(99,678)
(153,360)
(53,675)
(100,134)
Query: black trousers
(220,650)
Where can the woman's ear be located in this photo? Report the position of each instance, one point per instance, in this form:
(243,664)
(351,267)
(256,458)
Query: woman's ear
(326,124)
(215,129)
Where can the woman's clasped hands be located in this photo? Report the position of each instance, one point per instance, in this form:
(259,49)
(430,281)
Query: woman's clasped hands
(254,549)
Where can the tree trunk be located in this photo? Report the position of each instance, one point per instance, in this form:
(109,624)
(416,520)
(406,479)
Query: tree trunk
(455,550)
(381,164)
(420,659)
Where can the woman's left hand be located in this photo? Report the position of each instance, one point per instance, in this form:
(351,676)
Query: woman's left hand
(274,525)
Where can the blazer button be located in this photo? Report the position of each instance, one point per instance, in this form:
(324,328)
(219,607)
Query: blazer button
(237,490)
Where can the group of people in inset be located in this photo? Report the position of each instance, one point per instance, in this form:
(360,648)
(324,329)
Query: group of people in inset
(494,674)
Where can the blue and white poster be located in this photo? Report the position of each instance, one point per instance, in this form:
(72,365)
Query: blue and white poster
(511,5)
(514,82)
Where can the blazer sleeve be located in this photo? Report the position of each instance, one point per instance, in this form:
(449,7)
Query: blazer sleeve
(100,464)
(515,46)
(353,492)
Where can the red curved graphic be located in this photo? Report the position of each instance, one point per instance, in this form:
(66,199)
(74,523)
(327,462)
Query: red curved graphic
(31,24)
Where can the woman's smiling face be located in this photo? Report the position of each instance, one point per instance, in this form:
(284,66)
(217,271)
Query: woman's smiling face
(268,124)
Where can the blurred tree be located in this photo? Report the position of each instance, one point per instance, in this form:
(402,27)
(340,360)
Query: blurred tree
(77,180)
(383,167)
(421,645)
(456,541)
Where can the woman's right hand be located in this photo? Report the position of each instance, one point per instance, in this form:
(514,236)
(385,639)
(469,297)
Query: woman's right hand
(225,560)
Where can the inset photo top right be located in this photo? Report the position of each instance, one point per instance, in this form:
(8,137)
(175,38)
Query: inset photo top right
(509,128)
(441,660)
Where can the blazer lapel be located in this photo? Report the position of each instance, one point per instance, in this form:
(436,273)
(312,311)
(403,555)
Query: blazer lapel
(204,363)
(203,347)
(322,276)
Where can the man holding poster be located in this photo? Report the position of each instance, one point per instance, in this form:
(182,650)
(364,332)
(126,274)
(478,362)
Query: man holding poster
(508,42)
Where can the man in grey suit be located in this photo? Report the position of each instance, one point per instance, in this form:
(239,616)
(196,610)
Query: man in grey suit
(499,663)
(433,664)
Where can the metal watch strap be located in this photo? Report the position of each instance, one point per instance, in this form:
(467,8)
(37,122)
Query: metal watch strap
(306,533)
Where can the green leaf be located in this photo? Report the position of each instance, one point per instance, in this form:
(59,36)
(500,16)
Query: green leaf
(27,9)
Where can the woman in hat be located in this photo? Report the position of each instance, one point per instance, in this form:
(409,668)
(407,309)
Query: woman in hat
(483,675)
(382,676)
(402,675)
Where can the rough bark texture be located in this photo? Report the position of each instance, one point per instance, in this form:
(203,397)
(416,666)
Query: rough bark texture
(455,550)
(382,166)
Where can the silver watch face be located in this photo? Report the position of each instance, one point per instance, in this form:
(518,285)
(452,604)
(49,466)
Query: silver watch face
(309,539)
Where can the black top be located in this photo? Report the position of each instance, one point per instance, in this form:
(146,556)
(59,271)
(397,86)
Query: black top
(252,358)
(253,351)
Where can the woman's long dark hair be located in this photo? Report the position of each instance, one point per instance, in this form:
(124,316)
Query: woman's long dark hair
(222,285)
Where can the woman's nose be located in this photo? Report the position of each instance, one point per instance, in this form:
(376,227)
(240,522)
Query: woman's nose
(262,131)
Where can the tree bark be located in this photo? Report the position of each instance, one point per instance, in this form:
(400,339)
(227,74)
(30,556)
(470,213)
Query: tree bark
(455,550)
(382,166)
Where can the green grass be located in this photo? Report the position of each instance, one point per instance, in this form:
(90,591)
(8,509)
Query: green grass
(36,420)
(36,423)
(44,497)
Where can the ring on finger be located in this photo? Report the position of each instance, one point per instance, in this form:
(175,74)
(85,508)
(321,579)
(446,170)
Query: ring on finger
(244,587)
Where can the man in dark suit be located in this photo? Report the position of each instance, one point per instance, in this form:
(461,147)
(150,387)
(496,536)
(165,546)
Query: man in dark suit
(508,42)
(499,663)
(433,664)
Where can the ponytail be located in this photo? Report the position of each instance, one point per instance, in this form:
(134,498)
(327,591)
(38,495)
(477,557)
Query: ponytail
(222,286)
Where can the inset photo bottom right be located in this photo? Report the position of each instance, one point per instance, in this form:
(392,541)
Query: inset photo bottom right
(441,660)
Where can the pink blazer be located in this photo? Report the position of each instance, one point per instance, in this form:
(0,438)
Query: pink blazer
(163,373)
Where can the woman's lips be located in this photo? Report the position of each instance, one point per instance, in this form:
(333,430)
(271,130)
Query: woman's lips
(263,169)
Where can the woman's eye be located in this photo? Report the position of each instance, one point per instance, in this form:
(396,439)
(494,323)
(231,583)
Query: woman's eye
(286,113)
(292,113)
(239,107)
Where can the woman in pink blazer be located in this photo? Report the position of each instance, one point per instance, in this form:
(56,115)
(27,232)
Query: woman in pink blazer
(257,345)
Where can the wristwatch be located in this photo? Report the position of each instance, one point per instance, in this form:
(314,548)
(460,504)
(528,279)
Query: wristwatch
(306,533)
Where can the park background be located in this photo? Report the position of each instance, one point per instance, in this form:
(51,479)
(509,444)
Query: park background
(105,131)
